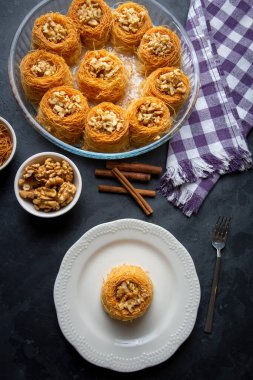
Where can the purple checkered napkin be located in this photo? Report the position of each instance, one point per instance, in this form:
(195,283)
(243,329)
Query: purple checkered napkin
(212,141)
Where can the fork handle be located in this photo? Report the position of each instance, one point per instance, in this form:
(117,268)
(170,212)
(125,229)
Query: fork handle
(210,312)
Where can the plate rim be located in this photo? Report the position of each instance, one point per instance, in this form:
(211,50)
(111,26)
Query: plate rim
(98,155)
(111,361)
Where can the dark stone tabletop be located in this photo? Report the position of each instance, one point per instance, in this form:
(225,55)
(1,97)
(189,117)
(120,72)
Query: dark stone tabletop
(32,346)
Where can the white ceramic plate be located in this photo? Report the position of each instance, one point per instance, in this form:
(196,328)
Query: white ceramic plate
(149,340)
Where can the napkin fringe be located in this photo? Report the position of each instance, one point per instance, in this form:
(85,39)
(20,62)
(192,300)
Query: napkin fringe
(188,171)
(187,201)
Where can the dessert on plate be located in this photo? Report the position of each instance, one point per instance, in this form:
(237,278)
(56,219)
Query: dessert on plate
(126,293)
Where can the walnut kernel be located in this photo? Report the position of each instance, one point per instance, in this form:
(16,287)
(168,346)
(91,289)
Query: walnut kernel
(129,19)
(53,31)
(102,67)
(48,185)
(90,13)
(43,68)
(150,113)
(129,295)
(158,43)
(105,121)
(63,104)
(171,83)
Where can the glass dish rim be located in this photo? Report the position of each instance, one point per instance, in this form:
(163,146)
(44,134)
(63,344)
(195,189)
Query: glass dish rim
(97,155)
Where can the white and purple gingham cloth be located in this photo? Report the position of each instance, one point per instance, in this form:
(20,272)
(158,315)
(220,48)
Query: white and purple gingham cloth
(213,140)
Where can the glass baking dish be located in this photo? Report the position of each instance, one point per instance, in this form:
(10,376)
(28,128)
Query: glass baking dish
(160,16)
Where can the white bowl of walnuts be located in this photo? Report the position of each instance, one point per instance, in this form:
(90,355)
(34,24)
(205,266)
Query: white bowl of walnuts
(48,184)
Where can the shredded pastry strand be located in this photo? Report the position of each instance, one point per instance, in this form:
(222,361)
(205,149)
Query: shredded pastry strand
(126,293)
(57,34)
(62,111)
(94,20)
(149,118)
(102,76)
(168,84)
(106,129)
(6,144)
(41,70)
(159,47)
(130,22)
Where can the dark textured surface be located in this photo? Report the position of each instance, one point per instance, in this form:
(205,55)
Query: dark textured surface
(31,345)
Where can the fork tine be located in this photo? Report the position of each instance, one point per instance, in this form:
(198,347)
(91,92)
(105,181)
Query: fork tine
(221,228)
(218,221)
(228,220)
(223,222)
(216,226)
(226,224)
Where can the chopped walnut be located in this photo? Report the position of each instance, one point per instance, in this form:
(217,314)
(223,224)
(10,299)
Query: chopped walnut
(158,44)
(105,121)
(54,181)
(150,113)
(49,169)
(46,199)
(63,104)
(90,13)
(28,183)
(66,193)
(129,295)
(129,19)
(48,185)
(53,31)
(171,83)
(103,67)
(43,68)
(27,194)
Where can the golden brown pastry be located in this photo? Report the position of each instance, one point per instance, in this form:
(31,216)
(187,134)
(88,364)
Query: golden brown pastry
(93,19)
(102,76)
(159,47)
(126,293)
(149,119)
(62,111)
(130,23)
(169,84)
(58,34)
(40,71)
(106,129)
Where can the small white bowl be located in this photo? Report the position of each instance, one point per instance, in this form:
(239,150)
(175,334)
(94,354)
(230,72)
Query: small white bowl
(40,158)
(14,141)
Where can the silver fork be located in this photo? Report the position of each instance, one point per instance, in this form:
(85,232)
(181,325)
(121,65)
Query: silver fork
(220,234)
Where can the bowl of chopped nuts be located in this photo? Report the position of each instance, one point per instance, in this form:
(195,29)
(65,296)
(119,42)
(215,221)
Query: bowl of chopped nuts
(48,184)
(8,143)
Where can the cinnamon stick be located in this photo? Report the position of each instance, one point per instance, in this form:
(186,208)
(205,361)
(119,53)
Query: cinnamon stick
(132,191)
(134,167)
(122,190)
(140,177)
